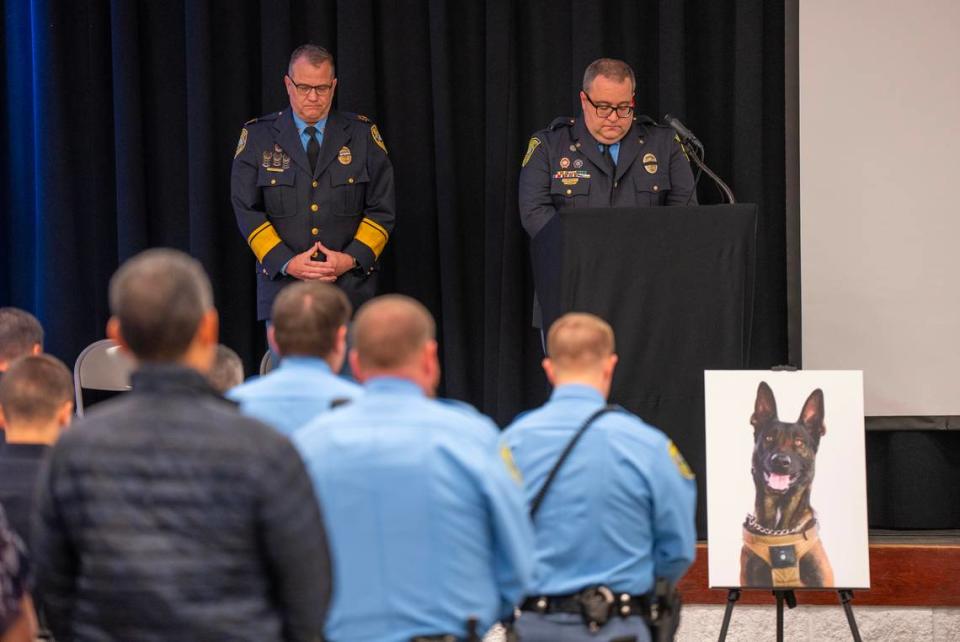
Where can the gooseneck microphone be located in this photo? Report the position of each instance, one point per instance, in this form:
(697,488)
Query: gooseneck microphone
(690,144)
(686,136)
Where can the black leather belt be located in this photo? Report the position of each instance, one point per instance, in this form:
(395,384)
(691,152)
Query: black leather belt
(624,605)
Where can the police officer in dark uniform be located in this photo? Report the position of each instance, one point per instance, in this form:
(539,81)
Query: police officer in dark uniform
(312,188)
(605,158)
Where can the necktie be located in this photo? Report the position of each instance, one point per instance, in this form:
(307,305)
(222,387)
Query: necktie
(609,157)
(313,148)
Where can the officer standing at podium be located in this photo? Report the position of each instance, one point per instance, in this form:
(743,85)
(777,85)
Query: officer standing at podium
(608,157)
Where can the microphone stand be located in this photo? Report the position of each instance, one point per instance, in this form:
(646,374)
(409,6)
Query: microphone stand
(692,154)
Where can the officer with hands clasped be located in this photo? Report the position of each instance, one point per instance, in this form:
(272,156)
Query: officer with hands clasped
(612,516)
(312,188)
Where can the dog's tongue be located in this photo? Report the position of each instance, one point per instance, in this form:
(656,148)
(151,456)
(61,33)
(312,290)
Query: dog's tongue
(778,482)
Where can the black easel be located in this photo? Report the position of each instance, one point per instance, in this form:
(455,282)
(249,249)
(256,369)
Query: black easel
(790,598)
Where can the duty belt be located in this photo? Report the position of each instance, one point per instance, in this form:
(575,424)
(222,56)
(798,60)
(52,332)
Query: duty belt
(623,604)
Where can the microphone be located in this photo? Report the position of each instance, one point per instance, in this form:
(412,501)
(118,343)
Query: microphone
(685,134)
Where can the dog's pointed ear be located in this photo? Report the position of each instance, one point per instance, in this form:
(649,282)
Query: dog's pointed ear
(765,408)
(811,416)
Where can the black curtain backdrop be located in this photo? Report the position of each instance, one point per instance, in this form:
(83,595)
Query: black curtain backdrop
(121,119)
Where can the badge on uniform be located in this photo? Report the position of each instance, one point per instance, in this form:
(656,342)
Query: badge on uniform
(531,147)
(242,143)
(564,163)
(344,156)
(375,134)
(277,160)
(650,163)
(577,164)
(679,461)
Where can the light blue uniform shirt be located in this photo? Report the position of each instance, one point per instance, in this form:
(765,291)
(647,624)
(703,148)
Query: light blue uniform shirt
(293,394)
(304,136)
(619,513)
(425,523)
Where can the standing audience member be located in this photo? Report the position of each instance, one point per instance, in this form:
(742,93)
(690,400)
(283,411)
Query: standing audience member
(427,526)
(20,335)
(36,404)
(166,514)
(620,511)
(227,370)
(309,331)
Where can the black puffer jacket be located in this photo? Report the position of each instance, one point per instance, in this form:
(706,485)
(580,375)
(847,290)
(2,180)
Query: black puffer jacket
(166,515)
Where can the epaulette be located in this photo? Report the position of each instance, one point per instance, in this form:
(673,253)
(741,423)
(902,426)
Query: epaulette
(563,121)
(266,118)
(643,119)
(360,117)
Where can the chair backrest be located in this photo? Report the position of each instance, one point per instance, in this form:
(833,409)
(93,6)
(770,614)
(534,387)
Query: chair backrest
(101,367)
(267,363)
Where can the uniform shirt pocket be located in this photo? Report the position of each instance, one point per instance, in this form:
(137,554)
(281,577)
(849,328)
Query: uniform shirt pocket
(563,189)
(279,192)
(349,185)
(652,189)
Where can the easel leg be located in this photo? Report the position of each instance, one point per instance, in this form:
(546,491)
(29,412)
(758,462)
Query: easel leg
(732,596)
(791,600)
(845,596)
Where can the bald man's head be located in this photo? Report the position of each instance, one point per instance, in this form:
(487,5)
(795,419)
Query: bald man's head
(390,332)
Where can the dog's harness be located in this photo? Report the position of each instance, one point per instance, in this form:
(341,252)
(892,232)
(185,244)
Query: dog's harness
(782,551)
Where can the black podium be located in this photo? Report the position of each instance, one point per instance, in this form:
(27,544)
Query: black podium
(676,284)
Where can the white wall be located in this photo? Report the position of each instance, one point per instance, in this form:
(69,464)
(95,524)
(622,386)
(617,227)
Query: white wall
(880,186)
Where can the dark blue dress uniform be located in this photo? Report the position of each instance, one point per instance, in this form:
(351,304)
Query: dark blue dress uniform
(564,167)
(283,208)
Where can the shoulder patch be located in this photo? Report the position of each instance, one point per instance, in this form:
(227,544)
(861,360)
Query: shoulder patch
(362,118)
(242,142)
(531,147)
(375,134)
(679,461)
(507,456)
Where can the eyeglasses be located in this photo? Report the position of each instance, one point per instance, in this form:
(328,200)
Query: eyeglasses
(304,89)
(604,110)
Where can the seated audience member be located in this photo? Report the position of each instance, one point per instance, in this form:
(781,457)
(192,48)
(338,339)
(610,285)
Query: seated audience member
(227,370)
(165,514)
(18,621)
(20,335)
(36,404)
(309,331)
(426,524)
(620,511)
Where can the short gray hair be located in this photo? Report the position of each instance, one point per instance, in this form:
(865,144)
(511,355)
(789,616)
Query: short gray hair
(19,333)
(315,55)
(611,68)
(159,297)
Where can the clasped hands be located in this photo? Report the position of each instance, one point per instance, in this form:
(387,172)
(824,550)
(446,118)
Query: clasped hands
(305,268)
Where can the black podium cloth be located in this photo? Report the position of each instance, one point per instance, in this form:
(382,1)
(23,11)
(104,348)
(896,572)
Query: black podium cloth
(676,284)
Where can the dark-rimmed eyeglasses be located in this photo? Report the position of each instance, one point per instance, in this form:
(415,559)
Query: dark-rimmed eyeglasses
(304,89)
(604,110)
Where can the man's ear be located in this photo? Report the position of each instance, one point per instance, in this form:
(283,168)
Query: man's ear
(549,370)
(37,349)
(209,329)
(115,332)
(3,420)
(65,414)
(765,408)
(355,367)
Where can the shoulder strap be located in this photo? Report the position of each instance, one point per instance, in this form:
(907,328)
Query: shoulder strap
(538,499)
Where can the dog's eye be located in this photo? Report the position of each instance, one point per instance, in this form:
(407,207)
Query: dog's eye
(768,438)
(798,443)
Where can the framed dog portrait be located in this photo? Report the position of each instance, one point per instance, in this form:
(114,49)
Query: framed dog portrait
(786,479)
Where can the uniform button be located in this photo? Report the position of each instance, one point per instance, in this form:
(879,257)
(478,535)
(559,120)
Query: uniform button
(315,183)
(616,183)
(273,181)
(350,180)
(315,231)
(569,192)
(656,188)
(641,141)
(314,207)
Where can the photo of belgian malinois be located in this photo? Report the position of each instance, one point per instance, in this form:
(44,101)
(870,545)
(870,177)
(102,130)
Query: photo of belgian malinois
(781,541)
